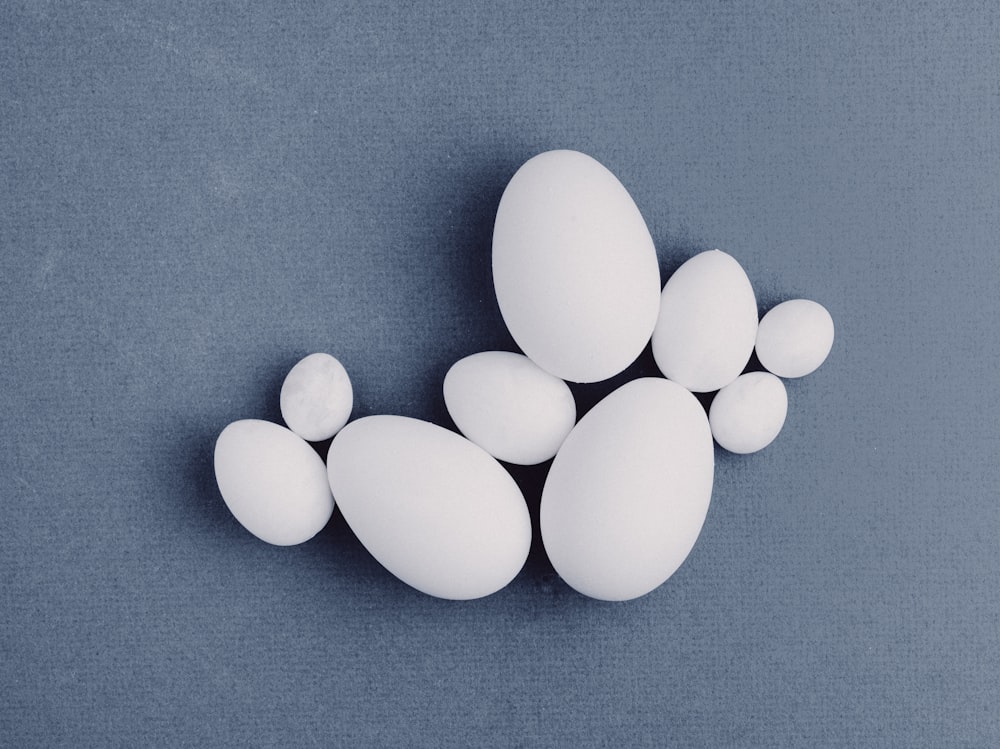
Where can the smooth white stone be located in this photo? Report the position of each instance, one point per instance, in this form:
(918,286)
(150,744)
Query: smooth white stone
(574,267)
(747,414)
(628,492)
(317,397)
(707,323)
(433,508)
(509,406)
(794,338)
(272,481)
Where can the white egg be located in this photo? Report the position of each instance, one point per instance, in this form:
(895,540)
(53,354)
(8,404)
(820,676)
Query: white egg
(794,338)
(317,397)
(628,492)
(433,508)
(574,267)
(747,414)
(272,481)
(707,323)
(509,406)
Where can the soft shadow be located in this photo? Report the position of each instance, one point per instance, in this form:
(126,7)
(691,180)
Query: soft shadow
(195,449)
(674,251)
(477,325)
(194,442)
(754,365)
(589,394)
(337,551)
(267,400)
(768,296)
(531,480)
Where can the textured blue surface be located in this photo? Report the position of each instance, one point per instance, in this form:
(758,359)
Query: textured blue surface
(193,196)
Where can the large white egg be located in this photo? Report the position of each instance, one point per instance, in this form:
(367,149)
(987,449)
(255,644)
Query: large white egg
(574,267)
(794,338)
(433,508)
(316,397)
(628,492)
(747,414)
(707,323)
(509,406)
(272,481)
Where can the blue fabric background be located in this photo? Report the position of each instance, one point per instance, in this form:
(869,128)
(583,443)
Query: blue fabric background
(195,195)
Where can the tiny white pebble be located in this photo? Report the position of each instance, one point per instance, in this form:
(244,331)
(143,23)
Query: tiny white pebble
(748,413)
(794,338)
(317,397)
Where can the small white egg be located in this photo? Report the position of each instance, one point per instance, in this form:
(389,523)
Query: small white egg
(707,324)
(317,397)
(747,414)
(272,481)
(794,338)
(509,406)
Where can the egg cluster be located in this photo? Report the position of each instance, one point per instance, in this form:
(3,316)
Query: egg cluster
(627,493)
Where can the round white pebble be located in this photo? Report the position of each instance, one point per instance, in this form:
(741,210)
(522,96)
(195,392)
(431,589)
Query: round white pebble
(794,338)
(317,397)
(509,406)
(748,413)
(708,322)
(272,481)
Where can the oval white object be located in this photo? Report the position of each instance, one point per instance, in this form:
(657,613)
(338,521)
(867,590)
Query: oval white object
(794,338)
(627,494)
(574,267)
(272,481)
(509,406)
(434,509)
(316,397)
(747,414)
(707,324)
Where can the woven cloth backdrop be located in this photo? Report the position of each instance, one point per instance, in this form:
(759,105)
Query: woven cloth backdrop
(193,196)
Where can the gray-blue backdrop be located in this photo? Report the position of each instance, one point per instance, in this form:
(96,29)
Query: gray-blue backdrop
(194,195)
